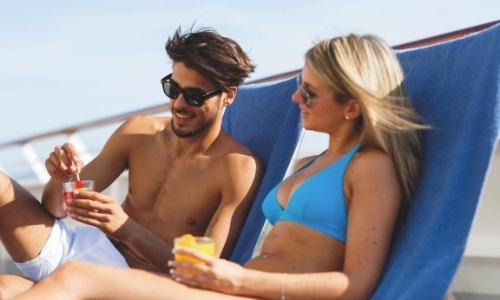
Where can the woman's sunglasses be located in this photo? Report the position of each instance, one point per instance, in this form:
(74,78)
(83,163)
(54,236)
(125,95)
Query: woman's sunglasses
(193,96)
(305,94)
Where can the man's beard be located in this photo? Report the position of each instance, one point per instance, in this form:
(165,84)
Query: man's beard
(190,133)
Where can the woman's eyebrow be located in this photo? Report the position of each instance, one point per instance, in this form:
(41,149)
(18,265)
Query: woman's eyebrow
(310,87)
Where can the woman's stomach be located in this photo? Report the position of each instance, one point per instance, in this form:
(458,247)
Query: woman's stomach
(294,248)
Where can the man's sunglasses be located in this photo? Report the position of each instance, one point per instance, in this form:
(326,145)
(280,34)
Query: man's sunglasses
(193,96)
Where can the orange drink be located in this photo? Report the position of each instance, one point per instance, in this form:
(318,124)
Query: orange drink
(203,244)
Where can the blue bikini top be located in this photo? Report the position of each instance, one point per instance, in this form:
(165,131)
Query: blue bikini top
(318,202)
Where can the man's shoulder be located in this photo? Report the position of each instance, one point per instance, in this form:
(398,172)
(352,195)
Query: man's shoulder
(145,124)
(136,132)
(231,147)
(237,154)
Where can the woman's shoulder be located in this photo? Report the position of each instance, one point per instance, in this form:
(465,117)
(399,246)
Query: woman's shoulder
(303,161)
(369,162)
(371,172)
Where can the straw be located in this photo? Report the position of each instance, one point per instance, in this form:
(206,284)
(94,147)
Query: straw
(78,174)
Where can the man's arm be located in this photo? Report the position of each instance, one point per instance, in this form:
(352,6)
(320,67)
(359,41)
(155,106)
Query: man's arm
(106,214)
(239,181)
(239,184)
(63,163)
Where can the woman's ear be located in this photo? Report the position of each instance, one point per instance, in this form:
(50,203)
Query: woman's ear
(353,109)
(230,96)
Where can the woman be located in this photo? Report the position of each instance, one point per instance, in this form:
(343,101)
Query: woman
(333,219)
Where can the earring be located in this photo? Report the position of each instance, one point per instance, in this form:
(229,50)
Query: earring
(347,117)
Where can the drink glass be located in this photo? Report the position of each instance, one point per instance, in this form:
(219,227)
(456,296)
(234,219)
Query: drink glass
(82,185)
(203,244)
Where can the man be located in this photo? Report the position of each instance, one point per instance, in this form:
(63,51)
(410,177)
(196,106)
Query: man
(186,175)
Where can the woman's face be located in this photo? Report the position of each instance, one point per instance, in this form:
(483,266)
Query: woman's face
(324,114)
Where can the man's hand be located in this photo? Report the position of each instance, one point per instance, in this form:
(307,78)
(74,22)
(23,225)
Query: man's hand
(101,211)
(63,162)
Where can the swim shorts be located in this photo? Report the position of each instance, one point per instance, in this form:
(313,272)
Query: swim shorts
(85,243)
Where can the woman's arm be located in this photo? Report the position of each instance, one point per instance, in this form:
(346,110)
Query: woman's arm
(373,196)
(230,278)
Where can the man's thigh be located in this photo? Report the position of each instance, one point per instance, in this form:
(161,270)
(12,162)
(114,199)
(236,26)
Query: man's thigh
(24,224)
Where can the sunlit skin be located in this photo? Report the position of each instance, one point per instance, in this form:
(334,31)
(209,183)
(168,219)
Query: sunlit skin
(160,194)
(334,270)
(161,203)
(324,253)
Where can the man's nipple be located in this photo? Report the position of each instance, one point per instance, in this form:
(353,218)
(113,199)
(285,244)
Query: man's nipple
(191,221)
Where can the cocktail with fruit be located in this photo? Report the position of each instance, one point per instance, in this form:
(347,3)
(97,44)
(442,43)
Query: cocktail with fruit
(203,244)
(80,185)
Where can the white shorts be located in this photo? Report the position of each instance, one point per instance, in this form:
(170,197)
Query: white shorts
(85,243)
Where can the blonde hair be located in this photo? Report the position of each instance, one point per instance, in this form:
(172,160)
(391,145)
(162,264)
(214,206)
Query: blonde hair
(366,69)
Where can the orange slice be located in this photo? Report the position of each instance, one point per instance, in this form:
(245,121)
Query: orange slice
(187,240)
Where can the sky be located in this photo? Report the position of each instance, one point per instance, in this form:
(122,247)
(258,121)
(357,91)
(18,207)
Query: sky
(64,63)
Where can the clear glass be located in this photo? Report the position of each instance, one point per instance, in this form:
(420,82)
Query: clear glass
(69,187)
(203,244)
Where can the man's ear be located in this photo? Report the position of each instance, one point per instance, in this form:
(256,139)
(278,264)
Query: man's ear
(353,109)
(230,96)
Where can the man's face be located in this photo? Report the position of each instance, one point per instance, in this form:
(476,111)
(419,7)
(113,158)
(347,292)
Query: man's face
(188,121)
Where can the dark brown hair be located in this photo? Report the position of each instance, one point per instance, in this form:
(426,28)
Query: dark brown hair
(220,59)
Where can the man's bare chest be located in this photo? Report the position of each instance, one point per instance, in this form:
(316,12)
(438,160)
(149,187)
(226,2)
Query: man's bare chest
(185,187)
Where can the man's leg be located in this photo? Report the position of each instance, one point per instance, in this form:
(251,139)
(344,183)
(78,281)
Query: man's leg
(25,225)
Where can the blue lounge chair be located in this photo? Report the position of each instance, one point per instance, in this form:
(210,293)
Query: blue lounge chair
(454,87)
(265,119)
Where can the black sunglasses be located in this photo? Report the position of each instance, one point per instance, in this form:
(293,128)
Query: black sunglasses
(193,96)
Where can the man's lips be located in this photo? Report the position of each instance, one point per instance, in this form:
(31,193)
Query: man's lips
(182,117)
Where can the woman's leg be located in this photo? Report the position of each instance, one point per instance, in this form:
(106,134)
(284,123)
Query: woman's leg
(84,281)
(11,285)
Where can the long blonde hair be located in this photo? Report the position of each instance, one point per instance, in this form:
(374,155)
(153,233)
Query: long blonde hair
(366,69)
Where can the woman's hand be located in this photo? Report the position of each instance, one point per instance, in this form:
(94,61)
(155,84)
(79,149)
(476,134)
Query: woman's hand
(216,274)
